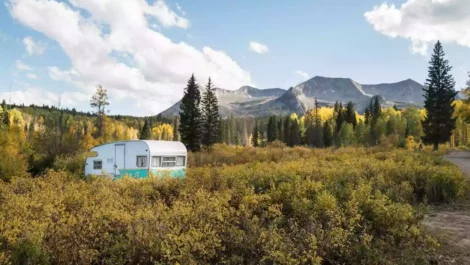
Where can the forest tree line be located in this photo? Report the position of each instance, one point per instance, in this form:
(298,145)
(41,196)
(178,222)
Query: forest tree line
(36,138)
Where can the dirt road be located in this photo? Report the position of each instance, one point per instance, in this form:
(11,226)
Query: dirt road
(451,223)
(461,159)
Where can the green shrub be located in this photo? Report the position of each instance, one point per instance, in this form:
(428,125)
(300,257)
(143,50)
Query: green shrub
(299,206)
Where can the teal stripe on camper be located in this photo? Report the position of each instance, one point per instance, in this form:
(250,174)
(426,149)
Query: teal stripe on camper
(133,173)
(143,173)
(177,173)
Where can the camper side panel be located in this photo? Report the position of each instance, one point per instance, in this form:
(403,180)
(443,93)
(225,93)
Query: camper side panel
(137,160)
(103,164)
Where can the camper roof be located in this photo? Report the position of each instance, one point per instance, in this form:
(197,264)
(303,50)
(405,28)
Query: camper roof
(158,147)
(166,147)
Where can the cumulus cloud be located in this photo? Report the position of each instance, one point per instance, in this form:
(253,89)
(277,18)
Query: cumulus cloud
(92,32)
(22,66)
(33,47)
(424,22)
(25,93)
(258,47)
(303,74)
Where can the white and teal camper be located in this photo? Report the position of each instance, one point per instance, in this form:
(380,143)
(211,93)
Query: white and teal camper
(137,159)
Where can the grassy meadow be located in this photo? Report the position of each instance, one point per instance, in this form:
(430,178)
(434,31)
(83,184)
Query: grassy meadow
(237,205)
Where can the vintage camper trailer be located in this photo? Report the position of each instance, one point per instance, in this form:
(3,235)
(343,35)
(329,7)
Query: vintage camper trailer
(137,159)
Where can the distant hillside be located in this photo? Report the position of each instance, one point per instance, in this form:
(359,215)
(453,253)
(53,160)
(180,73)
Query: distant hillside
(250,101)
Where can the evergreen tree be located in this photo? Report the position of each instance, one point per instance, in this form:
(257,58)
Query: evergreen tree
(295,137)
(287,131)
(6,118)
(146,132)
(190,116)
(280,129)
(210,116)
(350,114)
(272,129)
(318,129)
(176,136)
(367,116)
(339,118)
(336,107)
(377,109)
(327,135)
(4,105)
(255,136)
(439,94)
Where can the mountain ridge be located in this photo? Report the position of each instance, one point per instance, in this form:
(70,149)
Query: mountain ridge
(255,102)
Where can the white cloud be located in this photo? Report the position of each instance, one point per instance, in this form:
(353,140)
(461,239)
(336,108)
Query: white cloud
(33,47)
(25,93)
(22,66)
(164,14)
(424,22)
(258,47)
(180,9)
(303,74)
(159,68)
(32,76)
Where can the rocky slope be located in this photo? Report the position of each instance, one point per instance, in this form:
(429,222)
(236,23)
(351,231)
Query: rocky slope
(250,101)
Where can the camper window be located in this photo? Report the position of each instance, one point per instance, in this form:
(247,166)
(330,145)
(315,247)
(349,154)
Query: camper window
(141,161)
(180,161)
(169,161)
(156,161)
(97,164)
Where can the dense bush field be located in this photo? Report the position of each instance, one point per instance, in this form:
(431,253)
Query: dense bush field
(236,206)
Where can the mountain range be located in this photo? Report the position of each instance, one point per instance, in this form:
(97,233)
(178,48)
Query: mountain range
(250,101)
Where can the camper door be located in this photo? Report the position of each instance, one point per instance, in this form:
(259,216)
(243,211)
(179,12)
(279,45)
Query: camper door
(120,158)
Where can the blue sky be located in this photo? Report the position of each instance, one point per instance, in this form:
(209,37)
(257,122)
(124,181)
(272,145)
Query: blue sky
(144,57)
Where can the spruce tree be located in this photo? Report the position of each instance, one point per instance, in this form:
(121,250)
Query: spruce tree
(190,116)
(339,118)
(377,109)
(146,132)
(287,131)
(350,114)
(439,94)
(4,105)
(272,129)
(280,129)
(210,116)
(255,135)
(327,135)
(336,107)
(367,116)
(295,133)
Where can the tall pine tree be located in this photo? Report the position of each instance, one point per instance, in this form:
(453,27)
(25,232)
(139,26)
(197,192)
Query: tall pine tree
(367,116)
(439,94)
(210,116)
(190,116)
(350,114)
(339,118)
(255,135)
(272,129)
(146,132)
(327,135)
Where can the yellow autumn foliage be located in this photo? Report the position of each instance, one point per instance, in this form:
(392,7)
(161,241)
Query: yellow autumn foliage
(238,205)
